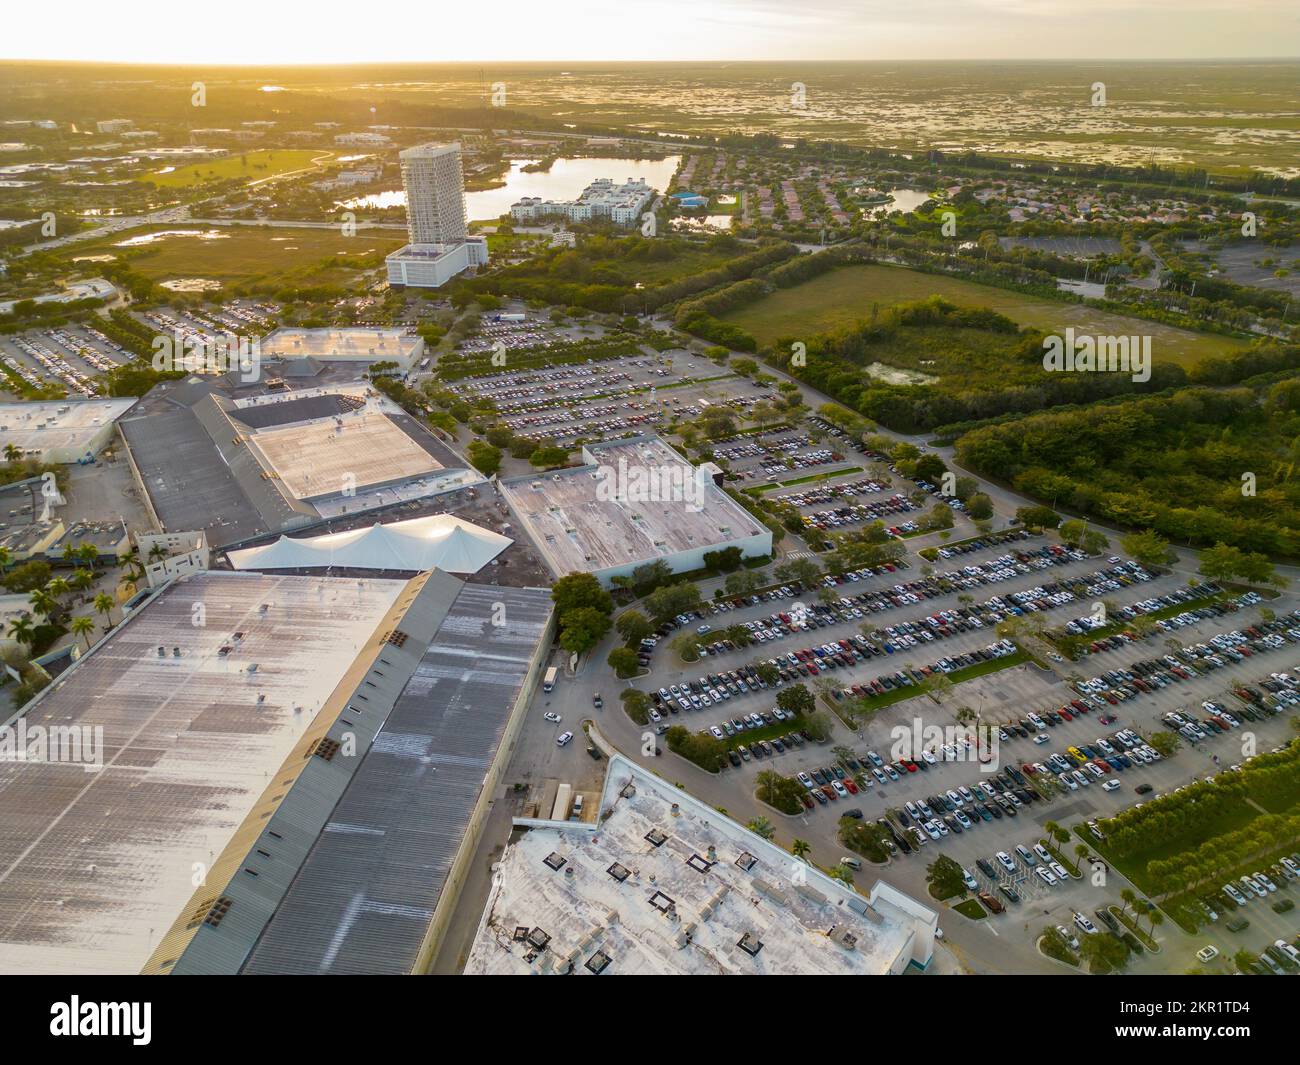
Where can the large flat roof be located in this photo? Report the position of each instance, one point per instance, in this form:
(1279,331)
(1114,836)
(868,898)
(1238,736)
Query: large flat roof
(664,884)
(366,345)
(363,899)
(58,425)
(346,452)
(581,525)
(95,866)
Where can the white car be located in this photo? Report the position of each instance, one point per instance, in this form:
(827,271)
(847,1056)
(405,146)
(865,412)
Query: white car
(563,738)
(968,880)
(554,719)
(1046,877)
(1059,871)
(1005,860)
(1110,785)
(1207,954)
(1071,940)
(1234,894)
(1084,925)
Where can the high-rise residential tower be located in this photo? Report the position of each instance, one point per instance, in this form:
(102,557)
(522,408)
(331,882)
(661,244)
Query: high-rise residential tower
(435,193)
(439,247)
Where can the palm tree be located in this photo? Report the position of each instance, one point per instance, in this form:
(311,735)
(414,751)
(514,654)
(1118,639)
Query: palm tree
(58,587)
(42,603)
(799,848)
(13,452)
(157,552)
(761,826)
(6,559)
(1129,896)
(22,630)
(83,626)
(81,580)
(89,554)
(104,605)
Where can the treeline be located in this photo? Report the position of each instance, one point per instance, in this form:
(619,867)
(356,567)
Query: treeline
(592,276)
(1200,466)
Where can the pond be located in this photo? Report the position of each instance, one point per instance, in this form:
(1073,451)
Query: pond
(564,180)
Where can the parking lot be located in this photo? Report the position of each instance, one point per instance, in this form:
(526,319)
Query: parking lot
(609,398)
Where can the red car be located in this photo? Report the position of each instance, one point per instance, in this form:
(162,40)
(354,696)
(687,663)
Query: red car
(848,783)
(829,792)
(1065,714)
(909,765)
(1108,719)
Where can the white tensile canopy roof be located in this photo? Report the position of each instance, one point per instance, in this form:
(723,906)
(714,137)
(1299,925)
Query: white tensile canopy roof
(439,541)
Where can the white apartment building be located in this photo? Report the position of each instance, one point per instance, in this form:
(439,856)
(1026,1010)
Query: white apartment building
(621,204)
(370,140)
(114,125)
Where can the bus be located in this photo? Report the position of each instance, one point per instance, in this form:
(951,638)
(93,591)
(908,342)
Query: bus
(549,682)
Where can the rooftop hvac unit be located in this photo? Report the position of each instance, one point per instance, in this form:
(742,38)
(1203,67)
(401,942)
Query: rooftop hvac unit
(176,652)
(162,651)
(252,667)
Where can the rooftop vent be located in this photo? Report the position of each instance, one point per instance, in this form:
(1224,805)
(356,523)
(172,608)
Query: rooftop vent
(750,944)
(555,861)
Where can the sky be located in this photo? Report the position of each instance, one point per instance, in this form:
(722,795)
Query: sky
(272,32)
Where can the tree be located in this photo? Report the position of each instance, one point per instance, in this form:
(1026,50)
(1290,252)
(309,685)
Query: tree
(667,602)
(13,452)
(796,699)
(979,507)
(22,629)
(582,628)
(761,826)
(817,724)
(580,590)
(548,457)
(485,457)
(636,704)
(28,576)
(1038,517)
(623,662)
(83,626)
(1076,533)
(799,848)
(104,605)
(633,626)
(944,876)
(1147,547)
(801,570)
(1223,562)
(743,583)
(42,603)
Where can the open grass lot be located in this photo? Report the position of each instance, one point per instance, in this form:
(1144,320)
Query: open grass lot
(842,297)
(236,254)
(252,166)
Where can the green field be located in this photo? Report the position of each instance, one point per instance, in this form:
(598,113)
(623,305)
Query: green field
(844,296)
(234,254)
(252,166)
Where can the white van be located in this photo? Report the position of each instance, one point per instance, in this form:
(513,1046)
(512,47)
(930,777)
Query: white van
(852,863)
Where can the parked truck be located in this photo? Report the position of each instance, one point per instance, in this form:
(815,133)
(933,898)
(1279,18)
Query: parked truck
(548,682)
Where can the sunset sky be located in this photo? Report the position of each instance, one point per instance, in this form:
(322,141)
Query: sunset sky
(258,32)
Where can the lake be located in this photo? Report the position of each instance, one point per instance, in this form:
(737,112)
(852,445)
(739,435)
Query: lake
(565,180)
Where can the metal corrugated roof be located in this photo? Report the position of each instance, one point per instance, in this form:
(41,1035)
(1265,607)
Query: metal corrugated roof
(367,892)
